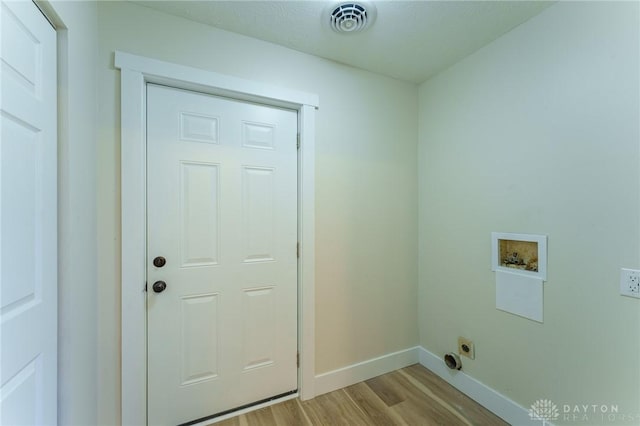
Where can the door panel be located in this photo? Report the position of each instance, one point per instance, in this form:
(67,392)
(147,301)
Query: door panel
(199,338)
(28,223)
(222,210)
(199,217)
(258,214)
(259,327)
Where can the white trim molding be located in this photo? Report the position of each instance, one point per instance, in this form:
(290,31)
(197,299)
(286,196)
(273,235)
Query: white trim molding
(510,411)
(186,77)
(359,372)
(306,262)
(136,72)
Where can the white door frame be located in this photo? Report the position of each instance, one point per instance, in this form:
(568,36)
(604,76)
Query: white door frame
(136,72)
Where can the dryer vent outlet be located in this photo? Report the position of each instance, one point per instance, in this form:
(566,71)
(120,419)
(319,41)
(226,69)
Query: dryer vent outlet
(453,361)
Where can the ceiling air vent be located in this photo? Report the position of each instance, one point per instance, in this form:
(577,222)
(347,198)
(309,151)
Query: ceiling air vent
(351,17)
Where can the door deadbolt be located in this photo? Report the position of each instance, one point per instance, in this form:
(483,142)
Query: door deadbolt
(159,286)
(159,262)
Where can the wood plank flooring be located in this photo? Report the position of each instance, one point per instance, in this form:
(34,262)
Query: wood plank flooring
(410,396)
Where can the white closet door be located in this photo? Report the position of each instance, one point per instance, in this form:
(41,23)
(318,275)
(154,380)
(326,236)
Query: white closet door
(28,220)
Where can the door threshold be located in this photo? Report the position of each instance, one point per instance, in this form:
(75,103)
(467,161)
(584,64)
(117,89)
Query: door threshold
(224,415)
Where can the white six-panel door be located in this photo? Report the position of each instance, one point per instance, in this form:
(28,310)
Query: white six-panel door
(222,212)
(28,271)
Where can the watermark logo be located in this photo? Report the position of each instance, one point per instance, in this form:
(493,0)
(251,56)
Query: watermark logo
(545,410)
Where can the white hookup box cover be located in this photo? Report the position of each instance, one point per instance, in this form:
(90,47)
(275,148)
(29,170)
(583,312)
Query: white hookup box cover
(520,295)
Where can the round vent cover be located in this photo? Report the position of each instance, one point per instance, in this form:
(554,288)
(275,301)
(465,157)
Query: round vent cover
(351,17)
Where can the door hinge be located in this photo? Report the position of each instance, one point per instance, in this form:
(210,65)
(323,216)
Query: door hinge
(298,250)
(298,141)
(298,359)
(145,286)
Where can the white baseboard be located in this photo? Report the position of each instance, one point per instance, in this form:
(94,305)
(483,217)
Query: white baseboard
(499,404)
(352,374)
(489,398)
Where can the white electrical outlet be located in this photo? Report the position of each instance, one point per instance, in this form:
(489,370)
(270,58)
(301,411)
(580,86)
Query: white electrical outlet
(630,282)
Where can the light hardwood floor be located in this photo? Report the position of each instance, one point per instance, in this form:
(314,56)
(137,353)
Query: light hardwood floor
(410,396)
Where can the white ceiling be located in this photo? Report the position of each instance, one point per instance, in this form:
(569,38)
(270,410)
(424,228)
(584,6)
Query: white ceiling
(410,40)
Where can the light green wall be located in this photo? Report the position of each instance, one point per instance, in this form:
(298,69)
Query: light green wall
(366,185)
(77,288)
(538,132)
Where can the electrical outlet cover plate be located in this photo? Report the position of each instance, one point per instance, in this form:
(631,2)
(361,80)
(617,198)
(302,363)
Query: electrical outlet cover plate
(630,282)
(468,344)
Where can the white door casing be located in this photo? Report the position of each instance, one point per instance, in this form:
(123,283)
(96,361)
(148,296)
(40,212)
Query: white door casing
(28,230)
(222,213)
(136,72)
